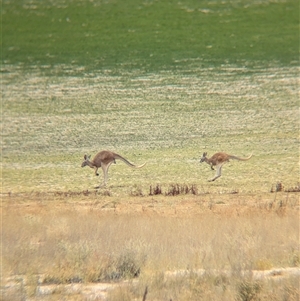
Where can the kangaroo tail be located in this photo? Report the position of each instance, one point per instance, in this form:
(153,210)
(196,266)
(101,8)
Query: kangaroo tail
(240,159)
(127,162)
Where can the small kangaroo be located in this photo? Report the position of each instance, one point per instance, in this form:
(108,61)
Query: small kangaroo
(104,159)
(218,160)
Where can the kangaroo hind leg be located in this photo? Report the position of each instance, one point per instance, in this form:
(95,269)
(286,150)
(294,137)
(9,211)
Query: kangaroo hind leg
(104,168)
(218,173)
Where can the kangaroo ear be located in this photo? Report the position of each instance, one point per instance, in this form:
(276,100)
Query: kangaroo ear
(84,157)
(89,157)
(204,154)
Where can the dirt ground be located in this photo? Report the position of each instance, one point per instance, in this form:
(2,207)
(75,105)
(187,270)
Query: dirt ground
(228,204)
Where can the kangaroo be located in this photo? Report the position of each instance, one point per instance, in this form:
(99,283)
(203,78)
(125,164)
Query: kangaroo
(218,160)
(104,159)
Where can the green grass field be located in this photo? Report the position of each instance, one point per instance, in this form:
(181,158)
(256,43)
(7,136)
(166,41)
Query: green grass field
(159,82)
(149,35)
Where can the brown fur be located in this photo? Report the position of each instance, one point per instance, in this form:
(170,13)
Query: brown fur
(218,160)
(104,159)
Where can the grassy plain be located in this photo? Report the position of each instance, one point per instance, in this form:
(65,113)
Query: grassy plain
(158,82)
(148,35)
(164,119)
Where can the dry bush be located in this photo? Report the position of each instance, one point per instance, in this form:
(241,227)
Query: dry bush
(155,190)
(177,189)
(174,189)
(294,189)
(248,290)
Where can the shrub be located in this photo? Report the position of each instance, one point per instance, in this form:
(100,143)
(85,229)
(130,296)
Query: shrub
(248,291)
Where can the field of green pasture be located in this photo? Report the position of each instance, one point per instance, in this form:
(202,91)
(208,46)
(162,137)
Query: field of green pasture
(148,35)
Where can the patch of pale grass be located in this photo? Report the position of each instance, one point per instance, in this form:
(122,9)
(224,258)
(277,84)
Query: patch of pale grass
(52,243)
(207,287)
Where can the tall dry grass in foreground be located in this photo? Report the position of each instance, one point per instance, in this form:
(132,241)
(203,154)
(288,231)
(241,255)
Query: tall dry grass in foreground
(63,244)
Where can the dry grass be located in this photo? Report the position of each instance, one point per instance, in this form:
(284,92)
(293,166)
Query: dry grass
(67,239)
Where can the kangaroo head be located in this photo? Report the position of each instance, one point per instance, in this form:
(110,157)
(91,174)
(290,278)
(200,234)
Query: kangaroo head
(85,161)
(203,157)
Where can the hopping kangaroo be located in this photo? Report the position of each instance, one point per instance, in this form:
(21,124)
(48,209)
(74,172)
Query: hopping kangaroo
(104,159)
(218,160)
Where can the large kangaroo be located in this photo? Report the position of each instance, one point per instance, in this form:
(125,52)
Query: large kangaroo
(104,159)
(218,160)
